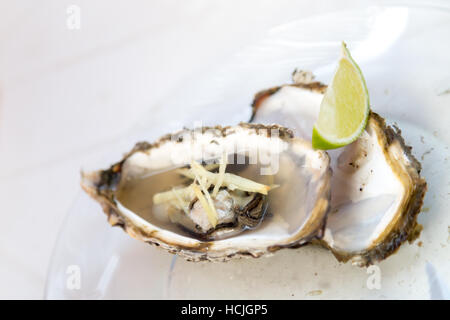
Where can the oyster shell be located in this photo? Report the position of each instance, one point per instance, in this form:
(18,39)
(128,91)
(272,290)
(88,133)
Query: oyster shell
(376,189)
(296,208)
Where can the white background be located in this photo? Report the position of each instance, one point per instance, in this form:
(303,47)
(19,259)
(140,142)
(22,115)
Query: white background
(65,93)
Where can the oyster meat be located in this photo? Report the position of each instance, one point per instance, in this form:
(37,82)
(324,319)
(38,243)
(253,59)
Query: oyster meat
(376,188)
(218,192)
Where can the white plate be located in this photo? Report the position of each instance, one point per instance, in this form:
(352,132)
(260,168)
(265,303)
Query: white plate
(404,54)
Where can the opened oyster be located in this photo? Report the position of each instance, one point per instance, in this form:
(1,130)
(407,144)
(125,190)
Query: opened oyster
(219,192)
(376,188)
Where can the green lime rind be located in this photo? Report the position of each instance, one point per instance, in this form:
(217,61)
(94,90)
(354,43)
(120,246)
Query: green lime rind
(322,143)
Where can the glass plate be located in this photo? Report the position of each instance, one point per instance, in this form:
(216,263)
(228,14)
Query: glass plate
(404,54)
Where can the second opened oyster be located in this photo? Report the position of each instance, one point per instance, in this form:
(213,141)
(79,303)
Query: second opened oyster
(376,188)
(219,192)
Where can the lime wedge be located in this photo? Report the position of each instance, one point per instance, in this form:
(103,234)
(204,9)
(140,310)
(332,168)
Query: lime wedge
(345,107)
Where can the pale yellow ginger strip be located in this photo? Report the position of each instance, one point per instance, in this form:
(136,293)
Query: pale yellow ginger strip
(184,193)
(222,168)
(212,216)
(230,180)
(181,202)
(202,184)
(208,167)
(187,173)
